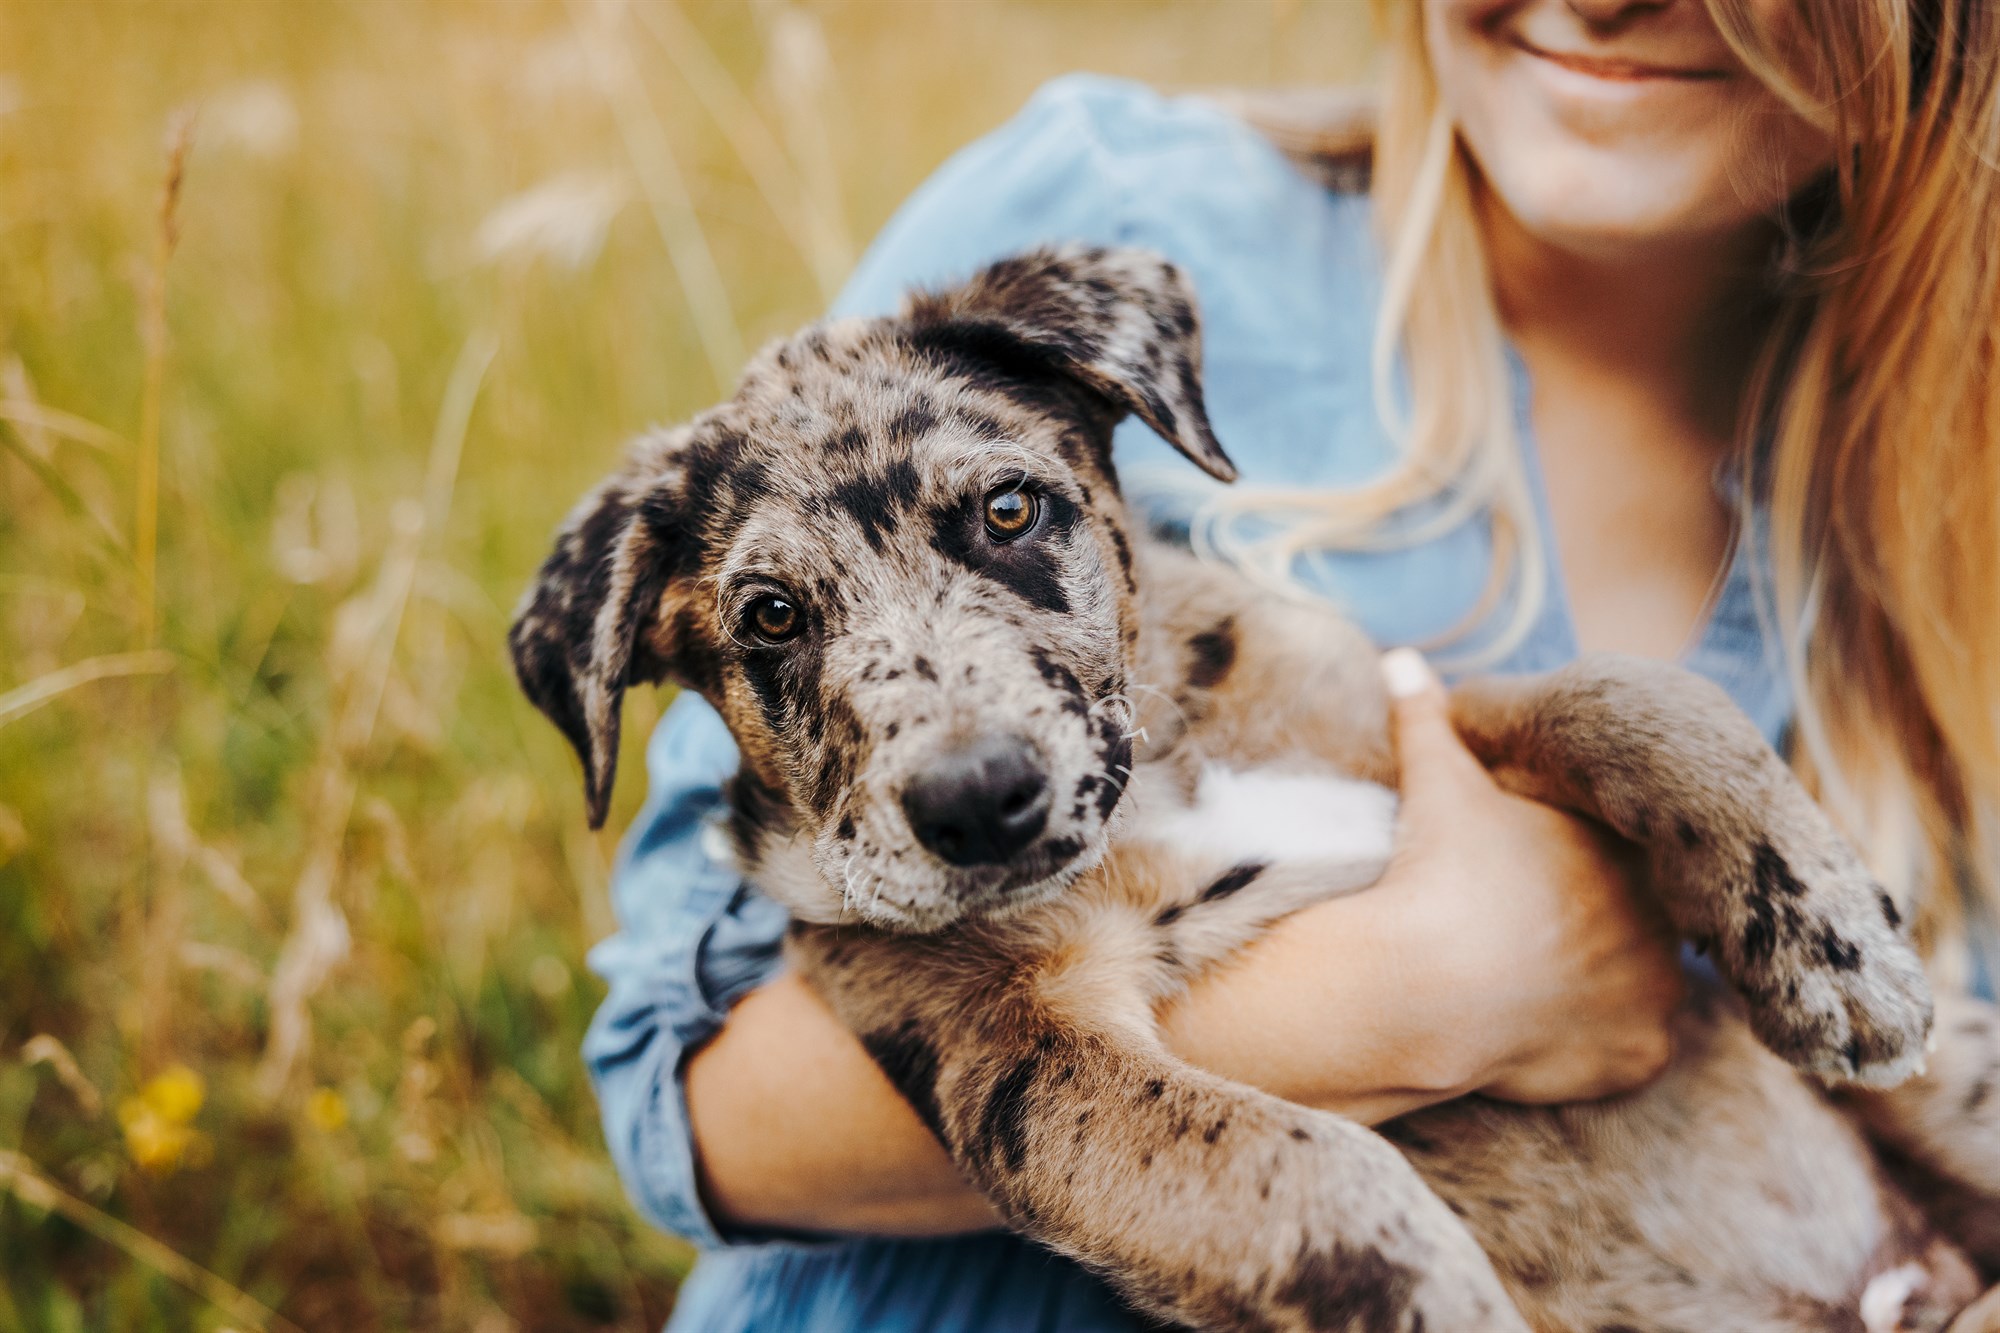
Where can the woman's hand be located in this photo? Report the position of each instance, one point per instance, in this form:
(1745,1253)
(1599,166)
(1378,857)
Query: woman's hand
(1508,950)
(1552,964)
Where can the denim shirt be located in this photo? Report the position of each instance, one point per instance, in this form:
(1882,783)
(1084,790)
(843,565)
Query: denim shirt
(1288,276)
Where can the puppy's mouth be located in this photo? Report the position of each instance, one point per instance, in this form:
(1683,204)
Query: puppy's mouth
(943,896)
(1035,879)
(1041,870)
(985,893)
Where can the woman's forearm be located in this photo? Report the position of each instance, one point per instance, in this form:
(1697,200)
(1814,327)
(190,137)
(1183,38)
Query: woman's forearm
(796,1129)
(1330,1010)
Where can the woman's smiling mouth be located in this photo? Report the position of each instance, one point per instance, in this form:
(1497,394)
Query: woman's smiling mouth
(1614,70)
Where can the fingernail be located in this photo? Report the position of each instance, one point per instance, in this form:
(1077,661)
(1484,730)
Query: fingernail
(1405,672)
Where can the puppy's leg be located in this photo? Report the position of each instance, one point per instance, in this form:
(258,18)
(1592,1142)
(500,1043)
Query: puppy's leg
(1205,1202)
(1944,1127)
(1743,860)
(1239,902)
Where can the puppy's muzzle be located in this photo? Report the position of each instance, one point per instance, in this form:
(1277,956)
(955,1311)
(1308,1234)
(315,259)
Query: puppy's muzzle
(980,804)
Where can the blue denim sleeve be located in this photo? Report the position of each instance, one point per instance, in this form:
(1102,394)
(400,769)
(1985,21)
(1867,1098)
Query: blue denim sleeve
(692,937)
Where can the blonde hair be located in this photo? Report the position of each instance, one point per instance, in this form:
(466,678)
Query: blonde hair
(1875,402)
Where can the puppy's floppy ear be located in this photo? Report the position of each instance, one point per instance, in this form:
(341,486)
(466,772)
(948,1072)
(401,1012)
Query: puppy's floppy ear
(574,635)
(1122,321)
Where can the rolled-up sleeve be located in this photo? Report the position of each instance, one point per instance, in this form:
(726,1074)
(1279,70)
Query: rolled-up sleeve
(693,938)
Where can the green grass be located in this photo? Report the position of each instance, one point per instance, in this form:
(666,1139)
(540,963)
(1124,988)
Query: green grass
(308,843)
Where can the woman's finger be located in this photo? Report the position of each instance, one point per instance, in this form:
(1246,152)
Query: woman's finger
(1436,765)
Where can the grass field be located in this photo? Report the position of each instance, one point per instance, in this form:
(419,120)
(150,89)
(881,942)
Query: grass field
(313,320)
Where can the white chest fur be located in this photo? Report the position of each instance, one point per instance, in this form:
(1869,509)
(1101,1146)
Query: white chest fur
(1274,815)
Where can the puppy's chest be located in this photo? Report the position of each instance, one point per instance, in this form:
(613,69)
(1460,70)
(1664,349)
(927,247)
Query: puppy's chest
(1242,833)
(1271,813)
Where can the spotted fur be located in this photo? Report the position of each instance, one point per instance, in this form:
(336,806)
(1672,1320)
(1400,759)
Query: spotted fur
(1178,715)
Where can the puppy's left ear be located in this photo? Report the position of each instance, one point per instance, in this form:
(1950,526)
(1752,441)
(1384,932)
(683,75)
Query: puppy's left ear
(576,637)
(1122,321)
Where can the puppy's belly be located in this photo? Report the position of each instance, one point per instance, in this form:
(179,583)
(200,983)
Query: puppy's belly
(1270,815)
(1729,1195)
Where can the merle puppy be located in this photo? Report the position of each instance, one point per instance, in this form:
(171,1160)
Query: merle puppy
(1019,774)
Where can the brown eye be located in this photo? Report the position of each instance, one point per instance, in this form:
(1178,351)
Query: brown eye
(1010,513)
(775,619)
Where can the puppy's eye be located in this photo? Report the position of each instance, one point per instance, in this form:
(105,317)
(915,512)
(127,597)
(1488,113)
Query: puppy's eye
(775,619)
(1010,512)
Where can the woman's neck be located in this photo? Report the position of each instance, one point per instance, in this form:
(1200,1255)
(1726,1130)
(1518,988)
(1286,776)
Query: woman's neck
(1638,358)
(1679,322)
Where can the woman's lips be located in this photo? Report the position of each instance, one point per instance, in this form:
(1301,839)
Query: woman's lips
(1614,70)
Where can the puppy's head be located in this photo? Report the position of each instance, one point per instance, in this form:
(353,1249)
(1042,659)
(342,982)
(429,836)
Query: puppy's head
(897,564)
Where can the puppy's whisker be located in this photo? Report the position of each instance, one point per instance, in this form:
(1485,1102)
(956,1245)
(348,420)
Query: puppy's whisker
(850,895)
(1129,721)
(1189,730)
(1124,787)
(1131,709)
(1163,695)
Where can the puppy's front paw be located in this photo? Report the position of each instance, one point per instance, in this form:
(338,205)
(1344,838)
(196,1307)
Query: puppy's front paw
(1817,948)
(1465,1300)
(1358,1291)
(1354,1241)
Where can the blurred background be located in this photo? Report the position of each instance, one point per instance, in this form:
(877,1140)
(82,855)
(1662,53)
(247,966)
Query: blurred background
(314,319)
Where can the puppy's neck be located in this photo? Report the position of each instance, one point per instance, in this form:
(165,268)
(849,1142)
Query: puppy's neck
(1185,647)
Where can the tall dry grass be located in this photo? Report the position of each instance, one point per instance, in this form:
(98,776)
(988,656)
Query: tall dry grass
(312,320)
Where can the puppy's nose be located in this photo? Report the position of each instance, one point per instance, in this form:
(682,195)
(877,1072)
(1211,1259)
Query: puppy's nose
(978,805)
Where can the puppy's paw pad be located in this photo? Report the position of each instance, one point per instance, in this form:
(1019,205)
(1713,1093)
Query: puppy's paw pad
(1832,984)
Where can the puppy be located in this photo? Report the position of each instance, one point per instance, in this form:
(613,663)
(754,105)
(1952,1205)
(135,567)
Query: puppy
(1020,773)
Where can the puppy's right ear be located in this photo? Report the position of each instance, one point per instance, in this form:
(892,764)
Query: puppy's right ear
(574,636)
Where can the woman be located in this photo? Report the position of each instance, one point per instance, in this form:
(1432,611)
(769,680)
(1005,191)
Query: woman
(1682,338)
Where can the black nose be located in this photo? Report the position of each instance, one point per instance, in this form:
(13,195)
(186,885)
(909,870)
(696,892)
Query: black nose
(979,805)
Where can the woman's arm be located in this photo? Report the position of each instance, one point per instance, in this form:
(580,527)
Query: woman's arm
(1502,952)
(796,1129)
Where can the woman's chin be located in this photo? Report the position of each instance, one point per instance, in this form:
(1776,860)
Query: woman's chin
(1609,204)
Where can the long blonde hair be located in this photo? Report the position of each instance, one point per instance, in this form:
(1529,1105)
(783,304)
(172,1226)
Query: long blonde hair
(1876,399)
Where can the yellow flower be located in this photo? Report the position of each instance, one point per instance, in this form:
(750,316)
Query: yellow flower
(153,1143)
(326,1109)
(157,1143)
(175,1093)
(157,1134)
